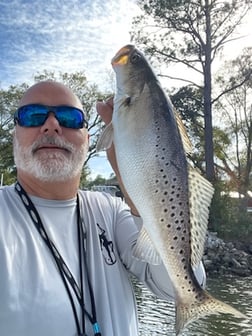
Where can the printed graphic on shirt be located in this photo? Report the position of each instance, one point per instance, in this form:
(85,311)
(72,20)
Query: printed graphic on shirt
(107,247)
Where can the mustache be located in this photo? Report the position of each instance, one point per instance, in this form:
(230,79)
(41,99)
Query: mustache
(52,140)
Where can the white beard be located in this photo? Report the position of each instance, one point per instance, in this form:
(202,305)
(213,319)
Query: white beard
(50,167)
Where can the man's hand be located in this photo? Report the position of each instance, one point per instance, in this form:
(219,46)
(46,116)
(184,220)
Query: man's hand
(105,110)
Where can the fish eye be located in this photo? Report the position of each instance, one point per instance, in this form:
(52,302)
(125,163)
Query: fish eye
(127,101)
(135,58)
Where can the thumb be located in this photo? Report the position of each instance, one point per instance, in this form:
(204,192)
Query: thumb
(105,110)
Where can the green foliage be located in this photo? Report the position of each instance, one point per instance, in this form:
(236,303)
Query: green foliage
(8,103)
(99,180)
(229,216)
(189,102)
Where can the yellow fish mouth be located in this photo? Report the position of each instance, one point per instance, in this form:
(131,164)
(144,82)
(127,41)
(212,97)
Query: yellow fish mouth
(122,56)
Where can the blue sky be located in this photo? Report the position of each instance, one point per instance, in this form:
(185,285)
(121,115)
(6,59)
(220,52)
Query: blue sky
(63,35)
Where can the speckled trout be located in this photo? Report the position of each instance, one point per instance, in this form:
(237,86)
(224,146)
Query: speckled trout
(172,198)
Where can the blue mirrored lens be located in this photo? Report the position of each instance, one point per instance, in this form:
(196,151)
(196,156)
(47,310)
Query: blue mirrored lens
(34,115)
(70,117)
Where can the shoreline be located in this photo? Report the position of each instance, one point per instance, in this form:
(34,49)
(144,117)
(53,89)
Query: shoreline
(225,257)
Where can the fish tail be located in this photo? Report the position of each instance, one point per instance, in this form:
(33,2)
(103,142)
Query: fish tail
(205,305)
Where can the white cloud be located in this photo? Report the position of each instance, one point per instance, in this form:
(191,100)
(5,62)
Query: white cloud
(63,36)
(99,165)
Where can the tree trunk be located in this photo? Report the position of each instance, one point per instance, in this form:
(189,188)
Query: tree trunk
(209,151)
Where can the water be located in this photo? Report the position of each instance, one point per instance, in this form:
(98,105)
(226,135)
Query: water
(156,317)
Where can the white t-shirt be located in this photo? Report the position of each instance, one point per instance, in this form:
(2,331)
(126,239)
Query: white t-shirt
(33,299)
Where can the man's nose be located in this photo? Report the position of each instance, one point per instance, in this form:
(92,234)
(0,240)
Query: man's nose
(51,125)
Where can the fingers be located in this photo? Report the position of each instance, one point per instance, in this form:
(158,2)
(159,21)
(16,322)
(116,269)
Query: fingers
(105,109)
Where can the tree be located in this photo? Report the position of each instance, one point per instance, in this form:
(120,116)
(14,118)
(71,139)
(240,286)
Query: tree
(10,97)
(192,34)
(236,114)
(8,103)
(188,101)
(99,180)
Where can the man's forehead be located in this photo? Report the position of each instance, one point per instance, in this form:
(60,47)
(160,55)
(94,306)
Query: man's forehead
(50,93)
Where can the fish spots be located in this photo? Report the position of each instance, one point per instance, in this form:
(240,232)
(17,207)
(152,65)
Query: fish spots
(199,297)
(157,125)
(176,190)
(160,151)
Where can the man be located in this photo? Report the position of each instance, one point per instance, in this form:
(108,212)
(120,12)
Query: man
(65,254)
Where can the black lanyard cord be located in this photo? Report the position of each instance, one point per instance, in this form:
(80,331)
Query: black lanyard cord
(64,271)
(82,235)
(80,263)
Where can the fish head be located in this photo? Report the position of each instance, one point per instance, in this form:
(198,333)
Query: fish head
(133,78)
(131,68)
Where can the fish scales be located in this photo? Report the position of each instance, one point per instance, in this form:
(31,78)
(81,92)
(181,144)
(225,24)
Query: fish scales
(150,148)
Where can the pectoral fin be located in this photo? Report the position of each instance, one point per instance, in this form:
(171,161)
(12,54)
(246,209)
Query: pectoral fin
(145,250)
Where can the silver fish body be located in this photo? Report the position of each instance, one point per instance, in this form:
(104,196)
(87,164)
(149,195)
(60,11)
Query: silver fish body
(171,197)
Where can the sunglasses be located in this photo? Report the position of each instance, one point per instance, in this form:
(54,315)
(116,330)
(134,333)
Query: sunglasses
(34,115)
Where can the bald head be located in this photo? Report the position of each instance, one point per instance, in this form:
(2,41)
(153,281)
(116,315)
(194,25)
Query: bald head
(50,93)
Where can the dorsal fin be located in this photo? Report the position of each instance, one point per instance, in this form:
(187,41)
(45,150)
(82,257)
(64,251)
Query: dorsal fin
(183,133)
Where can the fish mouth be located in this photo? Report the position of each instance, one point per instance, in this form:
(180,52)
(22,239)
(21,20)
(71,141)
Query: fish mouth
(122,56)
